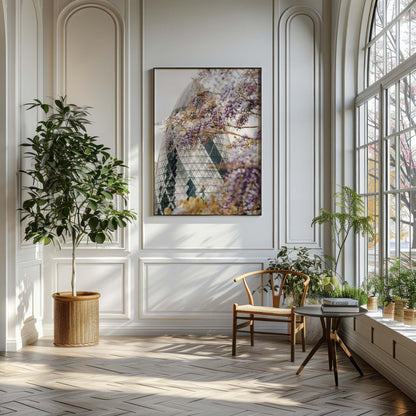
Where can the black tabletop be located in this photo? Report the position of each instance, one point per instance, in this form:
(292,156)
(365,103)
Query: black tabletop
(316,310)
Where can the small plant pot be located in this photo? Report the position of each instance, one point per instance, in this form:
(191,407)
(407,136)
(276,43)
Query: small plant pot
(388,311)
(76,319)
(398,309)
(409,316)
(372,303)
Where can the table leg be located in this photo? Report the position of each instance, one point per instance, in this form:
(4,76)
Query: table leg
(328,340)
(333,343)
(313,351)
(348,354)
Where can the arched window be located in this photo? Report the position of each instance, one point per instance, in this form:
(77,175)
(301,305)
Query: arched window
(386,135)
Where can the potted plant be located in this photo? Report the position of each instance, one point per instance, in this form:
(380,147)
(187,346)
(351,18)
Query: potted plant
(78,194)
(349,219)
(372,285)
(399,274)
(301,260)
(386,298)
(409,313)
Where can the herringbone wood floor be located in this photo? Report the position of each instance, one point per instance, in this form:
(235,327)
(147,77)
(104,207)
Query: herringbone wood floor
(188,376)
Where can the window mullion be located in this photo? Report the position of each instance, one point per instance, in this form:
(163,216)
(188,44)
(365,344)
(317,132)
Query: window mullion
(382,179)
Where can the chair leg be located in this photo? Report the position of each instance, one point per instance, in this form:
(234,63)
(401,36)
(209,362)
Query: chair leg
(303,334)
(252,331)
(234,341)
(292,338)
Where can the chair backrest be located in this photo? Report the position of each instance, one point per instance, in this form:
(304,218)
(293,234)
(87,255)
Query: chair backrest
(281,283)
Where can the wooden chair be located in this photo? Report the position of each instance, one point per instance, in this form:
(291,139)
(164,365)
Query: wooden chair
(276,313)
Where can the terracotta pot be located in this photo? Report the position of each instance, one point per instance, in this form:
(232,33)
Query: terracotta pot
(398,309)
(76,320)
(409,316)
(388,311)
(372,303)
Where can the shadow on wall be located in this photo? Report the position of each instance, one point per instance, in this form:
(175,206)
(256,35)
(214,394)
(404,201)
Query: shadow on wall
(26,320)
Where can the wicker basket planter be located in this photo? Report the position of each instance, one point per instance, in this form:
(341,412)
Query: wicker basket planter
(76,320)
(409,316)
(388,311)
(398,309)
(372,303)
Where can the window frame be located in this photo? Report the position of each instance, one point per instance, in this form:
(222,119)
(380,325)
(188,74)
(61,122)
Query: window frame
(380,87)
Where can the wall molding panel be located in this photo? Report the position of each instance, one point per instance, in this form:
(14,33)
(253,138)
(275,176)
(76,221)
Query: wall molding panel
(192,288)
(107,276)
(301,119)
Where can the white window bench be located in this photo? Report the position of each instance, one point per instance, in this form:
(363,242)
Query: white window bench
(388,346)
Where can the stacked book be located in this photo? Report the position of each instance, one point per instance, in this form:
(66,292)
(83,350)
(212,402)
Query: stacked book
(341,305)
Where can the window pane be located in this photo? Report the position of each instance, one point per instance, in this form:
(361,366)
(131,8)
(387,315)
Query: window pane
(407,160)
(373,243)
(362,124)
(407,223)
(412,97)
(373,119)
(391,49)
(392,158)
(391,10)
(379,57)
(373,168)
(362,160)
(372,64)
(404,4)
(392,226)
(378,18)
(404,37)
(412,40)
(392,113)
(404,107)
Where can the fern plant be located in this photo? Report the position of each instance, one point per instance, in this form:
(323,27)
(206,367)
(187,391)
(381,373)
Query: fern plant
(349,219)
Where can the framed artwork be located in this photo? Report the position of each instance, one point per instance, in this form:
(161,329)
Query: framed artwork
(207,141)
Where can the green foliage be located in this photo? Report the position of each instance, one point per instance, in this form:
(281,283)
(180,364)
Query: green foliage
(373,285)
(77,186)
(350,218)
(402,281)
(301,260)
(353,293)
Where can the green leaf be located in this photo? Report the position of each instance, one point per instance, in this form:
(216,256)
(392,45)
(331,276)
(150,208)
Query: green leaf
(121,222)
(100,238)
(93,223)
(28,204)
(92,204)
(112,224)
(107,195)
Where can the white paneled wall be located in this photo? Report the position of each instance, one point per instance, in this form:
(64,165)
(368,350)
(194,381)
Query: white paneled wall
(28,22)
(174,274)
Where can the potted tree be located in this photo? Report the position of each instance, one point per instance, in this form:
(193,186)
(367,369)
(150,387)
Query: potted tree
(78,193)
(349,219)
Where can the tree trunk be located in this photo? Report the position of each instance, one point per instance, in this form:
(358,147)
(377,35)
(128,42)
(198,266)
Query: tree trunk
(73,280)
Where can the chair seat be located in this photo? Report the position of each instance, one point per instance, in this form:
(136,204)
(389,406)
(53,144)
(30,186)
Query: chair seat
(264,310)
